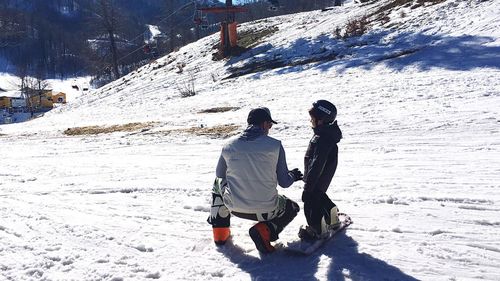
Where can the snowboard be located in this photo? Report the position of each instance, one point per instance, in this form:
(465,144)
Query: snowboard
(303,247)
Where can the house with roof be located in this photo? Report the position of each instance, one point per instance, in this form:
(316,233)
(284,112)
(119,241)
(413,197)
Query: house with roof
(10,103)
(59,97)
(12,99)
(41,100)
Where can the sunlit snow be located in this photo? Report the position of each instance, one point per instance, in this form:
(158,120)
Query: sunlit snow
(419,171)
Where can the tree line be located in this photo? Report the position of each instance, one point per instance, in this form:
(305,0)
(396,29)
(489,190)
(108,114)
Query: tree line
(108,38)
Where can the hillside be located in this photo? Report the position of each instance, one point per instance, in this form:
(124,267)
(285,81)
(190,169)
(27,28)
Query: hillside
(116,185)
(67,38)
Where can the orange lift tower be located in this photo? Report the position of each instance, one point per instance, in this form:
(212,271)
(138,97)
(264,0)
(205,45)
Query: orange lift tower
(228,32)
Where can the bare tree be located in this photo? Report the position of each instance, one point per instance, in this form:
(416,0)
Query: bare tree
(32,88)
(22,73)
(107,15)
(177,24)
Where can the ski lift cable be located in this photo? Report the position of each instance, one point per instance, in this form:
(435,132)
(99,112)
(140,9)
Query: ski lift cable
(166,18)
(141,47)
(195,9)
(142,34)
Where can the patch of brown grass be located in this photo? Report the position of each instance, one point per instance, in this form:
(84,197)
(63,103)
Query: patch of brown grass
(221,131)
(250,38)
(95,130)
(264,65)
(219,109)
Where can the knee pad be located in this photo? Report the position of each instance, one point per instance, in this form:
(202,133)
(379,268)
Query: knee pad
(219,213)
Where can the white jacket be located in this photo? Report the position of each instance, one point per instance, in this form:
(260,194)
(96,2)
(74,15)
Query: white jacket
(252,169)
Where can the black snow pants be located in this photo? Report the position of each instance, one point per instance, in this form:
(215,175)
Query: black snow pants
(316,206)
(277,224)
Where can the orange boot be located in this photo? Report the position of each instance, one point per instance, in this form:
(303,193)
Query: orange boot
(221,234)
(261,236)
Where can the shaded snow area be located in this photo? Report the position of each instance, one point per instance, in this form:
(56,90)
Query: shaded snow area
(419,172)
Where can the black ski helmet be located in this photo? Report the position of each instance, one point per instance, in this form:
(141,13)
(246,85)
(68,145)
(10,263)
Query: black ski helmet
(324,110)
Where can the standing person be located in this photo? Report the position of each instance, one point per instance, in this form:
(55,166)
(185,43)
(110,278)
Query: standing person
(320,163)
(250,167)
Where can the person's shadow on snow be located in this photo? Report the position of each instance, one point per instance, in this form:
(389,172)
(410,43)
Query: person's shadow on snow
(346,263)
(276,266)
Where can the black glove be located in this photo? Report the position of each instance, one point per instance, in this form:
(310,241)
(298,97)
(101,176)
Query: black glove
(296,174)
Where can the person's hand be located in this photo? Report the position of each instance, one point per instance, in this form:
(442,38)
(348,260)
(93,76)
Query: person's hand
(296,174)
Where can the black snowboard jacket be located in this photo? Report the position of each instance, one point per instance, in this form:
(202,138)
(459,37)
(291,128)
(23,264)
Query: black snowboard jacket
(320,161)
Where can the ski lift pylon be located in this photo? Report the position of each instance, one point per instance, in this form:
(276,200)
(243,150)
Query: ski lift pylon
(228,26)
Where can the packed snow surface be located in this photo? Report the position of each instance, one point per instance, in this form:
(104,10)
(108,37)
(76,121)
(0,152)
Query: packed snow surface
(418,100)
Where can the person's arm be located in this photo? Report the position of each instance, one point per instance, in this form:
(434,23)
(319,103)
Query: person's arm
(317,164)
(220,171)
(285,179)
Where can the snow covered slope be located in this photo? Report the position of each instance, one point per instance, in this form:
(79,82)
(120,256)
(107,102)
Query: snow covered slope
(418,98)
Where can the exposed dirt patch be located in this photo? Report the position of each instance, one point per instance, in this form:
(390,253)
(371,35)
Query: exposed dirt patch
(247,39)
(219,109)
(383,11)
(258,66)
(427,3)
(94,130)
(400,54)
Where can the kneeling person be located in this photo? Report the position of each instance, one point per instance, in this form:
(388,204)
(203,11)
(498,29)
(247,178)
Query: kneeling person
(250,167)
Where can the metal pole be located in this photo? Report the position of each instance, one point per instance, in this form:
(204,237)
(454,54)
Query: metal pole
(229,19)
